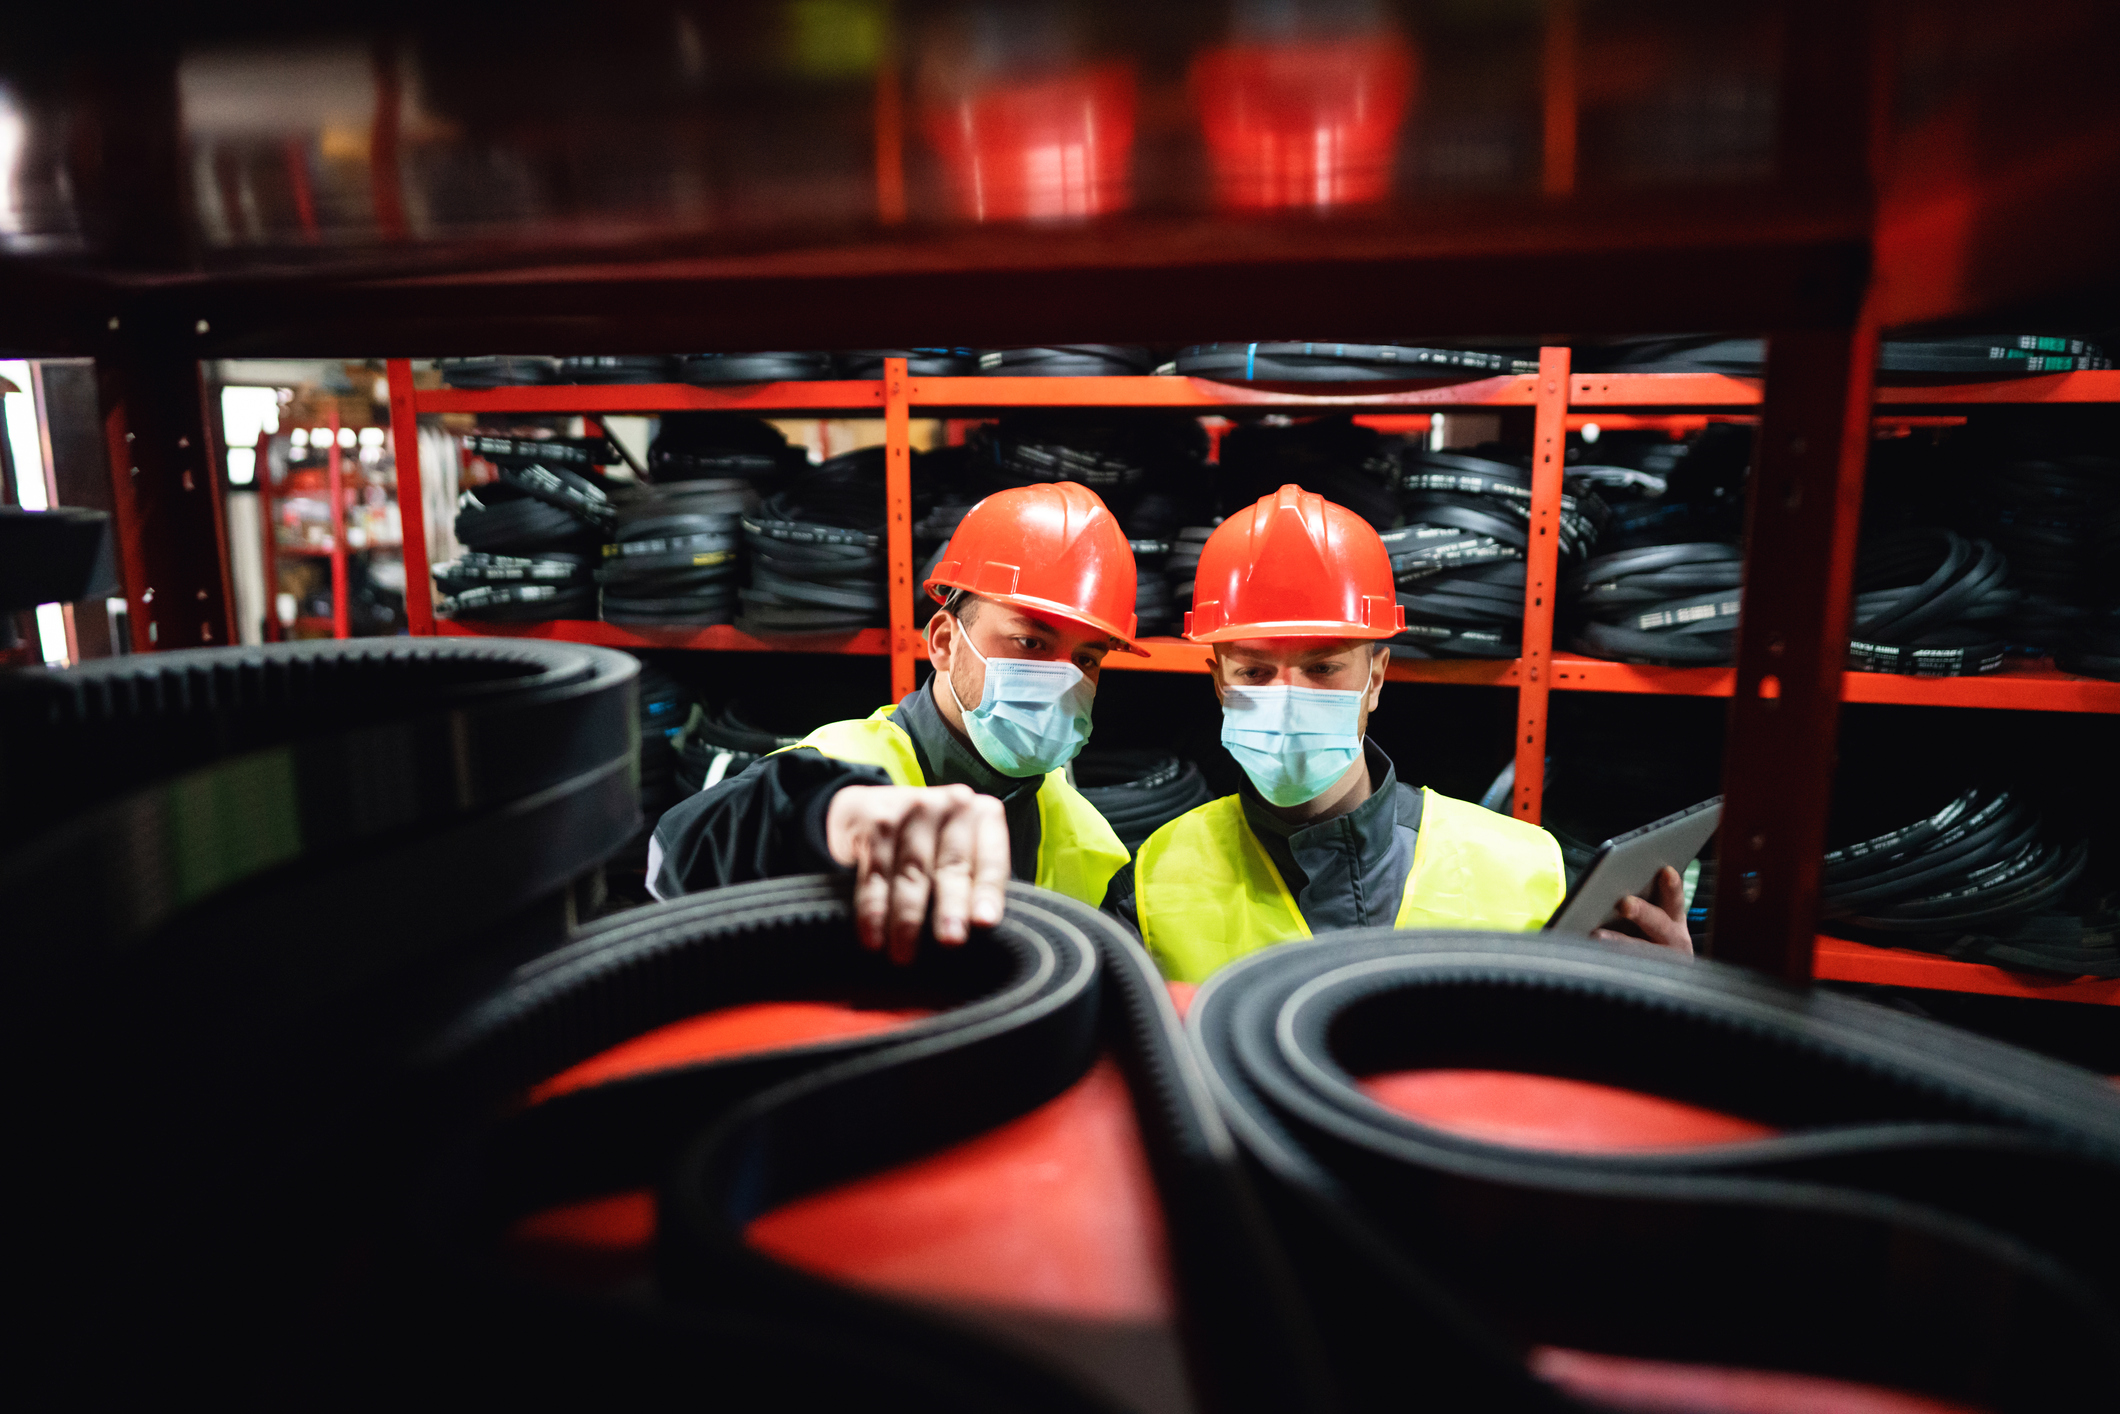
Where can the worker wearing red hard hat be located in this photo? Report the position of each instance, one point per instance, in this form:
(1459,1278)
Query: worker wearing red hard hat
(937,801)
(1295,595)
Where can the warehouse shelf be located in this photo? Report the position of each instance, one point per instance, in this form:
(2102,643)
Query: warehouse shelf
(866,642)
(1841,960)
(2028,687)
(1559,399)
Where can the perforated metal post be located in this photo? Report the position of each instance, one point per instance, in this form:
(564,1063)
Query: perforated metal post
(1792,629)
(898,508)
(1549,458)
(341,611)
(411,493)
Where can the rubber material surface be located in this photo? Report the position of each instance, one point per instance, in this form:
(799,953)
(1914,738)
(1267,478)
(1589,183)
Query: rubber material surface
(1878,1236)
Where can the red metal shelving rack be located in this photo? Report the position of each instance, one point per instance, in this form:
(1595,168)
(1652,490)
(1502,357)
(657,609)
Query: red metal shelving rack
(1553,394)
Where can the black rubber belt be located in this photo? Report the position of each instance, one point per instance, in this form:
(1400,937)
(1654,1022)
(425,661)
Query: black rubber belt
(561,453)
(1138,792)
(1883,1236)
(1024,1024)
(757,367)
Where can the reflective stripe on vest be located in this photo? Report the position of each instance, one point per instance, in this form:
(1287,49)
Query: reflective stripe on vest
(1207,892)
(1077,851)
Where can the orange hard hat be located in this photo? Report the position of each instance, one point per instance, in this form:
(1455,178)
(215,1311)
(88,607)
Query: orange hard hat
(1051,548)
(1294,566)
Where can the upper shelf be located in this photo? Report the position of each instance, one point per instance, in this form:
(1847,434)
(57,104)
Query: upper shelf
(956,395)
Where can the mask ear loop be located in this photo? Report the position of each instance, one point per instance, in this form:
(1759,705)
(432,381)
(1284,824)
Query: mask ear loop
(964,635)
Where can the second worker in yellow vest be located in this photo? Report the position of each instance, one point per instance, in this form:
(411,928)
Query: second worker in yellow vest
(936,801)
(1295,596)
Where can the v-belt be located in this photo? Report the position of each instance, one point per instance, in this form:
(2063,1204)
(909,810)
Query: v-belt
(564,453)
(564,489)
(1599,640)
(1878,1232)
(1018,1022)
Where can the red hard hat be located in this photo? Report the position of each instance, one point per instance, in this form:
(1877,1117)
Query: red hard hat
(1053,549)
(1294,566)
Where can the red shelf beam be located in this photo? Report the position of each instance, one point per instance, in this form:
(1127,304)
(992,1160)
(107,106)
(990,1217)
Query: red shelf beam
(1838,960)
(867,642)
(2029,688)
(852,395)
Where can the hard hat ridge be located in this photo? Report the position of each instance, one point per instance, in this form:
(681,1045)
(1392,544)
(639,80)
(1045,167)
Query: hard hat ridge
(1297,566)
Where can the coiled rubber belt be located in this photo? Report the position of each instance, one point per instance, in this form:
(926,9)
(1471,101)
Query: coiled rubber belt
(1314,362)
(757,367)
(1020,1023)
(1138,792)
(517,526)
(1881,1231)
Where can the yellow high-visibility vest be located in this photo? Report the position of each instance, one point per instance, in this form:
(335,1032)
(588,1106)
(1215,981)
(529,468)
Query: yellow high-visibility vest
(1207,892)
(1077,851)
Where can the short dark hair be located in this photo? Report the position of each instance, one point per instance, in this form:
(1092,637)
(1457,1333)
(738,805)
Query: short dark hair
(961,604)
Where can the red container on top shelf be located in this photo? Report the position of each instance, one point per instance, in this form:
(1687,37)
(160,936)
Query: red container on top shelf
(1313,123)
(1061,145)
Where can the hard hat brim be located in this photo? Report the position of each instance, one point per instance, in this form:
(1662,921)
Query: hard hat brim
(1068,612)
(1292,628)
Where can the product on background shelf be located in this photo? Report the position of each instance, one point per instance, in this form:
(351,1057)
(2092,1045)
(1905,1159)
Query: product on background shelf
(550,584)
(1145,465)
(2094,649)
(673,558)
(713,746)
(1351,466)
(1341,363)
(1068,361)
(2057,520)
(691,446)
(1930,603)
(817,562)
(758,367)
(1979,881)
(1182,567)
(500,371)
(1973,356)
(618,368)
(1672,604)
(1155,607)
(1139,792)
(920,363)
(560,471)
(1459,559)
(1664,580)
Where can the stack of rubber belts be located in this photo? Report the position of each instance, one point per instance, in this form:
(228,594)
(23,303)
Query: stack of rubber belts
(919,363)
(1355,467)
(1068,361)
(674,553)
(931,540)
(1342,363)
(1522,1174)
(618,368)
(1670,604)
(1970,356)
(781,367)
(1147,467)
(1459,1147)
(1182,567)
(2058,521)
(1931,603)
(816,550)
(500,371)
(255,874)
(1139,792)
(711,747)
(1979,880)
(531,537)
(1459,559)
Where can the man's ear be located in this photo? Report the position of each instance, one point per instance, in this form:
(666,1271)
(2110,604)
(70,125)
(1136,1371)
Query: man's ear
(1378,661)
(1214,674)
(941,640)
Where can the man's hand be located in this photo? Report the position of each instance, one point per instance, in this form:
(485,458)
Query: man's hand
(1662,922)
(913,845)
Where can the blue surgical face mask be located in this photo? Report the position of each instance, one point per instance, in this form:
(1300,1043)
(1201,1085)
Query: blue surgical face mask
(1033,715)
(1293,742)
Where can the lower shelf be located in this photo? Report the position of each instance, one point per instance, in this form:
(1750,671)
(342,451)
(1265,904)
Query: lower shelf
(870,642)
(1838,960)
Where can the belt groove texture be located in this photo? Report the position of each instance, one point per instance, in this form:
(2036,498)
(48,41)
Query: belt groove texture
(1874,1232)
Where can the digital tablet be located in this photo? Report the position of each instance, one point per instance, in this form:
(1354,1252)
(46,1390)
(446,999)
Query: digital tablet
(1627,864)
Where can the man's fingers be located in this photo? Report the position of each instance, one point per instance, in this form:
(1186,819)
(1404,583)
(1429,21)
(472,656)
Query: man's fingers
(912,878)
(955,845)
(874,859)
(990,861)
